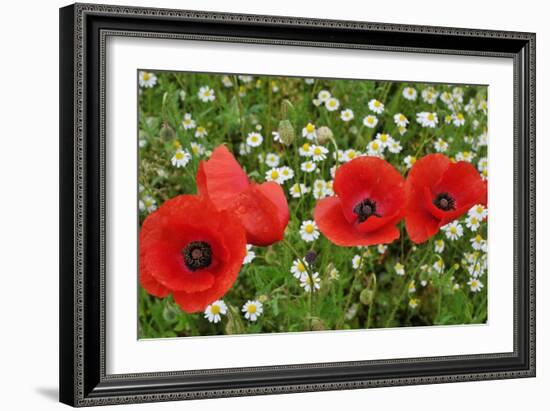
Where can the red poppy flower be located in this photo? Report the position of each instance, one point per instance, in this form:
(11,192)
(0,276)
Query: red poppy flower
(438,192)
(262,208)
(368,204)
(190,249)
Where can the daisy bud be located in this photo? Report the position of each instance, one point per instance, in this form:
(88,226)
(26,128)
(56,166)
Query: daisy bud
(167,133)
(366,297)
(263,298)
(324,135)
(286,132)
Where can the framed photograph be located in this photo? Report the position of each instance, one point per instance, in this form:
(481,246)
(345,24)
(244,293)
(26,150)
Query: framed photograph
(258,205)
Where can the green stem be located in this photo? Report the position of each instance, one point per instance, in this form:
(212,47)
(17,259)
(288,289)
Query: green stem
(239,105)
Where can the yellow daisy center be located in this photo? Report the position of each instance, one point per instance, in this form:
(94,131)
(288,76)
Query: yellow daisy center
(146,76)
(376,103)
(301,267)
(274,174)
(251,308)
(430,116)
(309,229)
(215,309)
(310,128)
(317,151)
(305,147)
(179,155)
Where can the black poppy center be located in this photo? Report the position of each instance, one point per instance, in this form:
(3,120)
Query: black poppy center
(444,202)
(197,255)
(365,209)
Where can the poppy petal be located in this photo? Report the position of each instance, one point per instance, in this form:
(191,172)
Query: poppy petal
(259,216)
(275,193)
(333,224)
(221,178)
(372,178)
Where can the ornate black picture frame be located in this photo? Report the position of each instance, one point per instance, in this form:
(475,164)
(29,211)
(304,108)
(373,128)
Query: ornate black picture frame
(83,30)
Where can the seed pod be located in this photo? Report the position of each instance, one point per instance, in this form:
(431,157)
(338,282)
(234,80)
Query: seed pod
(311,256)
(324,135)
(366,297)
(318,325)
(167,133)
(286,132)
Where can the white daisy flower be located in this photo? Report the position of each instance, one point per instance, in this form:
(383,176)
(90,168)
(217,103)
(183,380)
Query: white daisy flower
(306,150)
(323,95)
(197,149)
(274,175)
(254,139)
(476,269)
(250,254)
(310,283)
(384,138)
(252,310)
(206,94)
(286,172)
(458,119)
(475,285)
(483,164)
(395,147)
(245,79)
(439,266)
(346,115)
(409,93)
(382,248)
(188,122)
(446,97)
(299,268)
(244,149)
(478,243)
(181,158)
(370,121)
(309,132)
(329,190)
(272,159)
(214,311)
(350,154)
(309,81)
(276,136)
(412,287)
(402,130)
(441,145)
(147,80)
(319,153)
(479,211)
(147,203)
(413,303)
(308,166)
(399,269)
(409,161)
(316,102)
(439,246)
(453,231)
(200,132)
(464,156)
(400,120)
(482,106)
(427,119)
(142,143)
(332,104)
(429,95)
(376,106)
(226,81)
(309,231)
(298,190)
(333,274)
(356,262)
(472,222)
(375,148)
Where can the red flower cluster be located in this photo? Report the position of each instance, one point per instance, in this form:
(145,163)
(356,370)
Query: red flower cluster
(194,245)
(372,197)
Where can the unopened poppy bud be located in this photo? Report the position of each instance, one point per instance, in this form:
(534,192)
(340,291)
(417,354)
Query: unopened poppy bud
(366,297)
(169,313)
(324,135)
(318,325)
(286,132)
(311,256)
(167,133)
